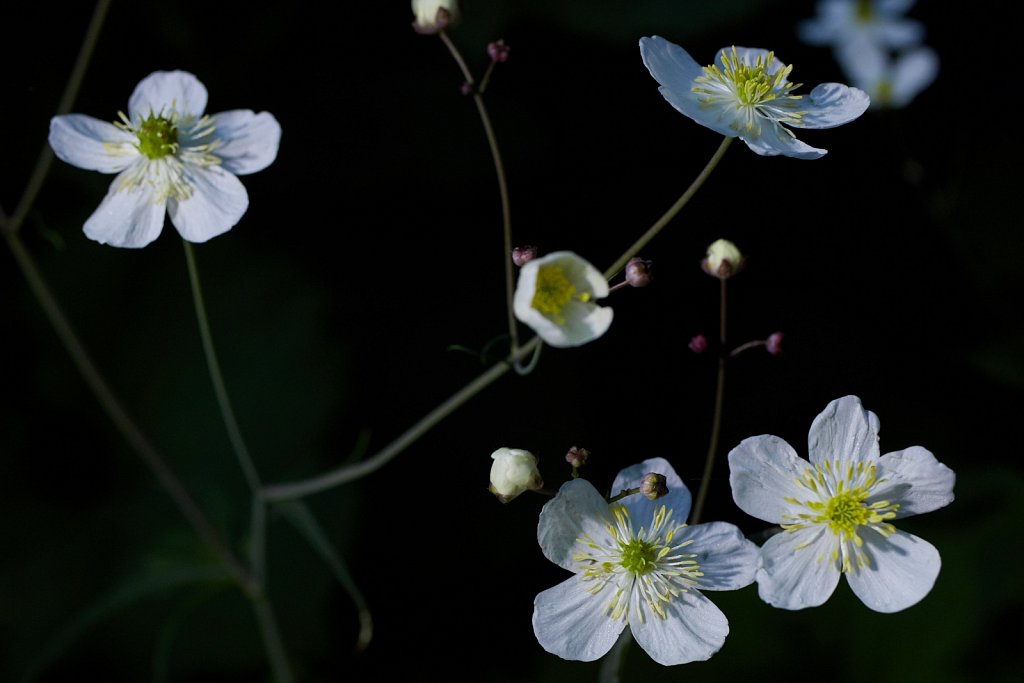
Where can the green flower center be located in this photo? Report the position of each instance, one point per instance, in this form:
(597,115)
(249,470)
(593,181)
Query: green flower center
(752,84)
(158,137)
(864,12)
(845,512)
(638,556)
(553,291)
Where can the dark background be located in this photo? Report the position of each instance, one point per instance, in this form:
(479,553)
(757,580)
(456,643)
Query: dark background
(373,244)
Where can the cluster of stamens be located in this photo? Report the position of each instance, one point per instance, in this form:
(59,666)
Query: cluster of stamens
(553,292)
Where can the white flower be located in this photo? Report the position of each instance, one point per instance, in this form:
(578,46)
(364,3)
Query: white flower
(636,563)
(434,15)
(512,472)
(723,259)
(169,157)
(747,94)
(836,511)
(555,297)
(862,24)
(891,82)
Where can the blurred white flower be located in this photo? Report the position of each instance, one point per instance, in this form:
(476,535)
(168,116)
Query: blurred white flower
(747,94)
(555,297)
(891,82)
(169,157)
(635,563)
(836,511)
(512,472)
(862,24)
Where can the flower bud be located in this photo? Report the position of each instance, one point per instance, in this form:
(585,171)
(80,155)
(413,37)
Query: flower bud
(523,255)
(577,457)
(723,260)
(654,485)
(698,344)
(434,15)
(498,51)
(774,343)
(638,272)
(512,472)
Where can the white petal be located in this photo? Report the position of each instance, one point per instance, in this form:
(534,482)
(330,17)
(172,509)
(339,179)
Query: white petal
(641,509)
(584,322)
(775,140)
(794,577)
(833,104)
(843,430)
(692,630)
(913,72)
(571,622)
(164,91)
(577,509)
(727,559)
(915,480)
(762,472)
(92,144)
(126,218)
(902,570)
(249,140)
(217,203)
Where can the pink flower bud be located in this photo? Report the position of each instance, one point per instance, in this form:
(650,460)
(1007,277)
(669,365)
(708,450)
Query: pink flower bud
(698,344)
(774,343)
(654,485)
(638,272)
(577,457)
(498,51)
(523,255)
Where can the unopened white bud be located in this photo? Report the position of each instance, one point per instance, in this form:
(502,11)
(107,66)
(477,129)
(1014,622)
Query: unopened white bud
(512,472)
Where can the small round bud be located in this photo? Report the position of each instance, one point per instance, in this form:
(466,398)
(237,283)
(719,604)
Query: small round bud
(638,272)
(434,15)
(654,485)
(523,255)
(723,260)
(577,457)
(512,472)
(466,88)
(698,344)
(774,343)
(498,51)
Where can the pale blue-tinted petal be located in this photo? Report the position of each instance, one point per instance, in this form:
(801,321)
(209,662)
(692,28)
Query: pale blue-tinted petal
(843,430)
(749,56)
(912,73)
(642,509)
(762,472)
(92,144)
(217,203)
(249,141)
(727,559)
(164,91)
(901,33)
(693,629)
(775,140)
(796,570)
(915,480)
(865,64)
(902,570)
(576,510)
(833,104)
(126,218)
(893,8)
(572,623)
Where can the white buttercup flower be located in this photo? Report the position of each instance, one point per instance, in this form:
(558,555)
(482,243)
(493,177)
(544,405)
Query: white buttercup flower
(170,158)
(636,563)
(555,296)
(892,82)
(837,512)
(862,24)
(747,94)
(513,472)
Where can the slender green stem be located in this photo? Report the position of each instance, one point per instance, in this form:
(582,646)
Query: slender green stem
(716,420)
(272,639)
(671,213)
(258,508)
(35,182)
(124,424)
(341,475)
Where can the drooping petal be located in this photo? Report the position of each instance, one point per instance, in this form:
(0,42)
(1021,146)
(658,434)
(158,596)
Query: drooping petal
(164,91)
(762,472)
(843,430)
(641,509)
(249,141)
(726,558)
(693,629)
(92,144)
(127,217)
(915,480)
(774,140)
(217,202)
(571,622)
(576,510)
(796,568)
(902,570)
(833,104)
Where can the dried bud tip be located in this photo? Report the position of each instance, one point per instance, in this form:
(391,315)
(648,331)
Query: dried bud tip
(498,51)
(654,485)
(577,457)
(774,343)
(638,272)
(523,255)
(723,260)
(698,344)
